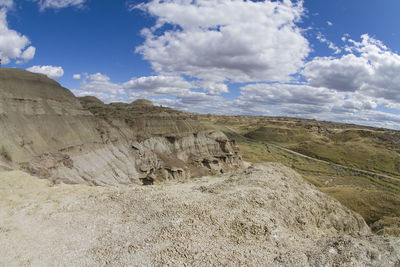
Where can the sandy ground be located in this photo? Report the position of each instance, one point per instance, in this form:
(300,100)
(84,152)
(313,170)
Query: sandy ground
(262,215)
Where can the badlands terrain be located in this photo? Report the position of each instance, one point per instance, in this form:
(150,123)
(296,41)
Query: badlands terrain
(85,183)
(357,165)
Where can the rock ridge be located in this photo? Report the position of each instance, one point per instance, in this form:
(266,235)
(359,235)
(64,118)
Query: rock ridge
(263,215)
(49,132)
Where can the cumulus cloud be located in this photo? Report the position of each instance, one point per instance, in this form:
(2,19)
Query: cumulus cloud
(329,23)
(278,94)
(6,3)
(331,45)
(29,53)
(57,4)
(100,82)
(166,84)
(347,73)
(230,40)
(198,48)
(372,118)
(76,76)
(368,68)
(213,88)
(51,71)
(173,87)
(13,45)
(353,103)
(100,86)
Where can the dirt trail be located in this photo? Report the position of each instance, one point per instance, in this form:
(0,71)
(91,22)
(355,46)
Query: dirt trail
(345,168)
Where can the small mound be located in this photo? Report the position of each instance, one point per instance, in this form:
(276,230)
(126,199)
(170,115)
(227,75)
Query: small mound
(263,215)
(142,102)
(21,84)
(90,99)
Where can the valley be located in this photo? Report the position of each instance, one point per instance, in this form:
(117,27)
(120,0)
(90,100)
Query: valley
(88,183)
(328,156)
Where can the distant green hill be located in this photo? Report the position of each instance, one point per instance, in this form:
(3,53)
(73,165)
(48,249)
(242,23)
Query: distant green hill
(355,147)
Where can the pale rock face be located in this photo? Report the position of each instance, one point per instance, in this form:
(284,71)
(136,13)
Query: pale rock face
(262,215)
(266,215)
(46,130)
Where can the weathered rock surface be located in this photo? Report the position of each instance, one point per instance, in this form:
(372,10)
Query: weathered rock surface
(265,215)
(262,215)
(46,130)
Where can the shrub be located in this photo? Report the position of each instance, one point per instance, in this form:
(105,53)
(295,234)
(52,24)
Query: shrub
(4,153)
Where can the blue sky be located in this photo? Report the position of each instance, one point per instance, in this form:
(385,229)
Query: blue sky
(332,60)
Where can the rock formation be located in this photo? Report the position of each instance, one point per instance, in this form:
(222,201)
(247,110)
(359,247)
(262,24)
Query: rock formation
(261,215)
(46,130)
(266,215)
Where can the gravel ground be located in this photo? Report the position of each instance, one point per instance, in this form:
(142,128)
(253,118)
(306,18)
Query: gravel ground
(264,215)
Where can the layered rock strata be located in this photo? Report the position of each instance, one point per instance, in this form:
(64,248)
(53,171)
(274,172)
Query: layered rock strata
(266,215)
(46,130)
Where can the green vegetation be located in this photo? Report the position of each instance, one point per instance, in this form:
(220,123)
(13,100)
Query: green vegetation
(4,154)
(375,197)
(372,150)
(373,205)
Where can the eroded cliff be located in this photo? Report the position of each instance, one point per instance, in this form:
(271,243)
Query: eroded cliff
(266,215)
(46,130)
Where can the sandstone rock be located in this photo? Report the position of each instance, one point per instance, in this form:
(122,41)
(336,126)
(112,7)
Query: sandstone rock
(266,215)
(53,134)
(142,102)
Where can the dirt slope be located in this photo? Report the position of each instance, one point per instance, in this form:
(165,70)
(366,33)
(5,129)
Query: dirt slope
(47,131)
(263,215)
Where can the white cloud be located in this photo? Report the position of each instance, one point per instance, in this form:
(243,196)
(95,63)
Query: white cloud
(298,100)
(57,4)
(331,45)
(173,87)
(29,53)
(213,88)
(6,3)
(369,68)
(100,82)
(76,76)
(218,41)
(207,45)
(161,85)
(13,44)
(51,71)
(167,84)
(347,73)
(101,86)
(278,94)
(329,23)
(372,118)
(103,96)
(353,103)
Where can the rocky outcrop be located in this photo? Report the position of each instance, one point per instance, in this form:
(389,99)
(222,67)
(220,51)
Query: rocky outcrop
(46,130)
(266,215)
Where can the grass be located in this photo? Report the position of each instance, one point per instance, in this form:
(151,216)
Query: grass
(375,206)
(377,200)
(358,154)
(4,154)
(387,226)
(365,148)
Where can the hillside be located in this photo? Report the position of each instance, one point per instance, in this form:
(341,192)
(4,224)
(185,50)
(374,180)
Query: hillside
(357,165)
(88,183)
(47,131)
(266,214)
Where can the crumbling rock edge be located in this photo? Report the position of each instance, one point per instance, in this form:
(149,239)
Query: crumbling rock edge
(47,131)
(263,215)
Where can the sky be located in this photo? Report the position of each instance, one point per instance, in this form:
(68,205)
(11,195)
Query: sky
(334,60)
